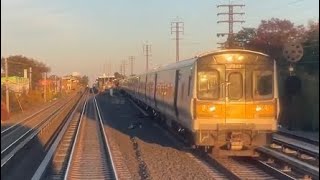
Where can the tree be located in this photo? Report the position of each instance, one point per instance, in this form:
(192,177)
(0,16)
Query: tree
(118,75)
(84,80)
(273,34)
(245,38)
(270,36)
(17,64)
(311,37)
(311,48)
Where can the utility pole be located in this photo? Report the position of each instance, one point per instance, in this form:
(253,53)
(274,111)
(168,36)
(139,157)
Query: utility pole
(147,51)
(131,60)
(45,87)
(177,27)
(230,21)
(104,74)
(30,78)
(7,84)
(55,84)
(109,69)
(124,67)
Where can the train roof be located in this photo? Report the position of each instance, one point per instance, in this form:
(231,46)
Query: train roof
(191,61)
(182,63)
(229,50)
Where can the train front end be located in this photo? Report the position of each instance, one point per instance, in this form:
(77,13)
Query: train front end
(236,105)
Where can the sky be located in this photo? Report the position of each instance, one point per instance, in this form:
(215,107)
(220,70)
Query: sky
(86,35)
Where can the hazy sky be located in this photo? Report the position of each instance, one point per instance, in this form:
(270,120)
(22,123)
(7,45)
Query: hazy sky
(82,36)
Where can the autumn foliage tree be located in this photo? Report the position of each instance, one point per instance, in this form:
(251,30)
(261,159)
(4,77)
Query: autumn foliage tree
(270,36)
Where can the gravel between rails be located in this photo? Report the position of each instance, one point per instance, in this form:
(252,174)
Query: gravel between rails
(147,151)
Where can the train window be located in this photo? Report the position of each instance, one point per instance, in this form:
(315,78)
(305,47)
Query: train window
(241,58)
(208,84)
(263,85)
(235,87)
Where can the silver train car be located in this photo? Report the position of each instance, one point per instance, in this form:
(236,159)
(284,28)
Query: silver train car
(223,101)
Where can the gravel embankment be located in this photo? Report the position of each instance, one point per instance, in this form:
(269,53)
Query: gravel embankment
(147,150)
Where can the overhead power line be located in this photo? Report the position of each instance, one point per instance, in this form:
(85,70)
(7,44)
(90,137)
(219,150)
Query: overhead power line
(231,21)
(177,27)
(147,53)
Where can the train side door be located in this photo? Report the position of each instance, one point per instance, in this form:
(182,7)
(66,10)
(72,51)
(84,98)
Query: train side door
(220,99)
(234,95)
(176,89)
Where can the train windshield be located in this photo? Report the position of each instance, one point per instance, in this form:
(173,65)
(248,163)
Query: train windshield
(237,76)
(208,86)
(263,84)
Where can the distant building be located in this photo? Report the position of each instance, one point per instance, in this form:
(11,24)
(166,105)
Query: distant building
(70,82)
(104,81)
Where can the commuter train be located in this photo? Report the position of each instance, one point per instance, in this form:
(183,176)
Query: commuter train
(225,102)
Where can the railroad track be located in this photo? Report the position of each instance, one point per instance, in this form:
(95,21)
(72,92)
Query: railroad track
(10,128)
(82,150)
(296,148)
(13,142)
(292,167)
(37,115)
(287,133)
(21,131)
(294,157)
(57,156)
(88,159)
(244,168)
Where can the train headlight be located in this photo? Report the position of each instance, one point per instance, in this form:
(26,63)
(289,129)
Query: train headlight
(212,108)
(265,110)
(208,110)
(258,108)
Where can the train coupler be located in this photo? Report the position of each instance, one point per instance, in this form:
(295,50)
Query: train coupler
(234,141)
